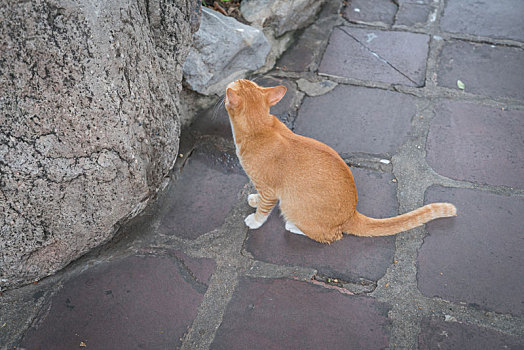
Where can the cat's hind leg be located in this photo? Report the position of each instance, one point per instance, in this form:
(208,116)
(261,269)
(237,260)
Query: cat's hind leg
(254,222)
(291,227)
(323,235)
(317,232)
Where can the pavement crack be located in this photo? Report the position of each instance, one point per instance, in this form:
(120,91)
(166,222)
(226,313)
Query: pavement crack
(377,162)
(380,58)
(185,271)
(360,286)
(211,311)
(189,277)
(186,159)
(397,4)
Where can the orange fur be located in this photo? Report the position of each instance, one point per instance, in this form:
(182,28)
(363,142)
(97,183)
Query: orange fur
(313,184)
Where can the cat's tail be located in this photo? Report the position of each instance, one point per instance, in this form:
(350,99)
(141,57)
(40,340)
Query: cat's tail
(361,225)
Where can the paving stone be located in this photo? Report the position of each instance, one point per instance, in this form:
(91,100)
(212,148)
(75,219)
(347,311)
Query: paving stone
(476,257)
(134,303)
(297,59)
(199,201)
(376,55)
(357,119)
(351,257)
(500,19)
(365,11)
(306,52)
(437,334)
(490,70)
(287,314)
(377,193)
(477,143)
(413,14)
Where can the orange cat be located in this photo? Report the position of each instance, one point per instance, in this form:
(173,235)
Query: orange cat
(314,185)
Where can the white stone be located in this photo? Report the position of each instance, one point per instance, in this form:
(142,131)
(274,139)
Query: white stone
(449,318)
(223,50)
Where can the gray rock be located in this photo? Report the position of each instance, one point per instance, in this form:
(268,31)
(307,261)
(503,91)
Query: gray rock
(283,15)
(88,122)
(223,50)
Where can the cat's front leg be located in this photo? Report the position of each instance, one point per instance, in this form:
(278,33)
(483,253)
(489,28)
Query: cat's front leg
(253,200)
(254,222)
(264,202)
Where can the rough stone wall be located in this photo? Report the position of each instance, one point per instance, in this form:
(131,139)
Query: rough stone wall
(88,122)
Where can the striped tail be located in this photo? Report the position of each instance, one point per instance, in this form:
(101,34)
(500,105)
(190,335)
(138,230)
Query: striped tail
(361,225)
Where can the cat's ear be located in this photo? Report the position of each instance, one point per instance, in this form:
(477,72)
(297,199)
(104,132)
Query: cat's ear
(232,99)
(275,94)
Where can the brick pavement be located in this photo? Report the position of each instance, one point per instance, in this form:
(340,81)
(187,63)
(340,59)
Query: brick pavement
(379,84)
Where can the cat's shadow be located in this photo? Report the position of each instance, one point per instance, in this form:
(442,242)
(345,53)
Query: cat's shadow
(350,258)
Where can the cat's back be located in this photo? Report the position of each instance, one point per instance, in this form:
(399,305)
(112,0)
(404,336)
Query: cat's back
(315,164)
(287,159)
(298,144)
(316,181)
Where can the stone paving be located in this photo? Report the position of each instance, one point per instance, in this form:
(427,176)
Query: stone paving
(378,84)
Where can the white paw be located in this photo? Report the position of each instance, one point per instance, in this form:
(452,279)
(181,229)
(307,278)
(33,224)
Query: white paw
(291,227)
(252,222)
(252,200)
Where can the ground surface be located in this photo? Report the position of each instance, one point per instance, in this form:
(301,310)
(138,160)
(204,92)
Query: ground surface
(188,273)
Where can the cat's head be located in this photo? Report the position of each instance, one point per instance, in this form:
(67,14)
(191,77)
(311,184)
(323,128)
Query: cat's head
(244,97)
